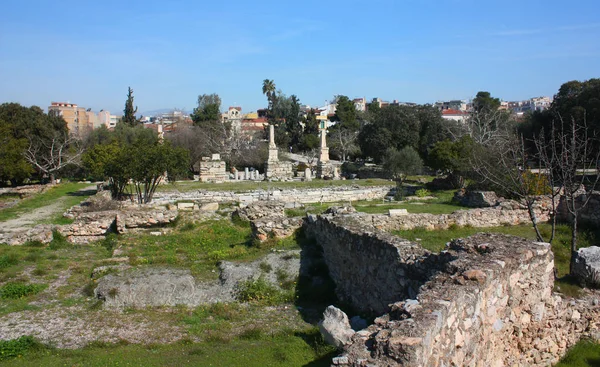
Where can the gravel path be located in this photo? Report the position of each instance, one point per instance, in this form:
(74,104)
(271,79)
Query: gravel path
(29,219)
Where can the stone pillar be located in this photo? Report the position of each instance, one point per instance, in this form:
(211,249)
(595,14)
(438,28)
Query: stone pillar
(246,174)
(272,136)
(324,150)
(323,166)
(272,147)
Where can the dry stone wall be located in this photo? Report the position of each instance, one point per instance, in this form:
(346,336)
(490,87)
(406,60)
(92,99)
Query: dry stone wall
(485,301)
(371,269)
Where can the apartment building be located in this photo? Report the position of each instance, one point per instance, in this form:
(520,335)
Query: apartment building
(77,118)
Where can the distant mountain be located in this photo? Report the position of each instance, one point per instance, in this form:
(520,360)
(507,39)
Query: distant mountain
(160,111)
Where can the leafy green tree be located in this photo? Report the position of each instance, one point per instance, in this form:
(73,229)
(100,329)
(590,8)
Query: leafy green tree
(346,114)
(150,163)
(484,102)
(392,127)
(135,154)
(130,111)
(208,112)
(402,163)
(13,166)
(48,147)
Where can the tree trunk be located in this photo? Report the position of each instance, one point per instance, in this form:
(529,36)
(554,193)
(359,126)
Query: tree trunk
(533,218)
(573,244)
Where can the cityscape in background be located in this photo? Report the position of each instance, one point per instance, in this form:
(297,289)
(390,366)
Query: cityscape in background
(81,121)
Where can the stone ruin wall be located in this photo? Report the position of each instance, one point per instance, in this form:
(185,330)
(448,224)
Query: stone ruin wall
(486,301)
(479,218)
(304,196)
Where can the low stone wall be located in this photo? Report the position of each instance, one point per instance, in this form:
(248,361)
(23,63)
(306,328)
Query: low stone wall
(305,196)
(485,301)
(484,217)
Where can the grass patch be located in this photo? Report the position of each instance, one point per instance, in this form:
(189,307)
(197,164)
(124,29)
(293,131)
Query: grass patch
(17,347)
(68,194)
(15,290)
(584,354)
(262,292)
(199,249)
(441,204)
(256,349)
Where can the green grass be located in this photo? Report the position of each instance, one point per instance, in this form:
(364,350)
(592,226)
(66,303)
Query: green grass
(67,193)
(264,185)
(199,247)
(583,354)
(291,349)
(44,264)
(441,204)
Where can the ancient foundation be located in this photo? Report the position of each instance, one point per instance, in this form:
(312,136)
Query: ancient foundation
(485,301)
(212,169)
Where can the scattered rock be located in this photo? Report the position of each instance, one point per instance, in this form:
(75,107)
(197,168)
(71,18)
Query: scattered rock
(587,266)
(335,327)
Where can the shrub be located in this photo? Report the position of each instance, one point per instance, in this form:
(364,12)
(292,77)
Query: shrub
(261,291)
(422,193)
(16,347)
(19,290)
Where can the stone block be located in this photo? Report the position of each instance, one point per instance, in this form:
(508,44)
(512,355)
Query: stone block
(185,206)
(397,212)
(587,266)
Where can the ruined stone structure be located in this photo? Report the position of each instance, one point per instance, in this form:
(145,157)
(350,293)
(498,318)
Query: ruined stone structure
(486,301)
(267,219)
(275,169)
(211,169)
(305,196)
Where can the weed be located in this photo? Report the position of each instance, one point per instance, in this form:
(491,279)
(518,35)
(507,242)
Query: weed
(421,193)
(17,347)
(58,241)
(33,256)
(189,226)
(88,289)
(39,271)
(17,290)
(265,267)
(8,260)
(110,242)
(34,243)
(113,292)
(261,291)
(253,333)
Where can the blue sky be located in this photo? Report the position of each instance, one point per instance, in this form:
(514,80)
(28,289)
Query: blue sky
(169,52)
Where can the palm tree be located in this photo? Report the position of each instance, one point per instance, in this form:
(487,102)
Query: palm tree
(268,89)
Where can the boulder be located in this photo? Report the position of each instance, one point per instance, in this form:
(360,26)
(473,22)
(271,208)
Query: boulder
(587,266)
(335,327)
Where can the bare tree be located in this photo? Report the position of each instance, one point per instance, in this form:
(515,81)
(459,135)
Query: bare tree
(569,153)
(343,141)
(504,163)
(51,155)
